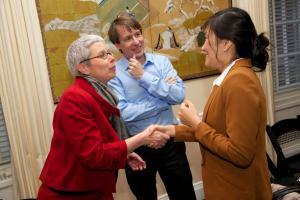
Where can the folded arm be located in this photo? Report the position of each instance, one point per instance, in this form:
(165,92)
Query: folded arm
(167,86)
(137,110)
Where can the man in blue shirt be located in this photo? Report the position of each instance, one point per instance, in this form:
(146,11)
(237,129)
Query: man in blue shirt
(147,86)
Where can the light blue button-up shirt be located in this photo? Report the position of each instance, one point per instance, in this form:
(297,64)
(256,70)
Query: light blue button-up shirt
(147,100)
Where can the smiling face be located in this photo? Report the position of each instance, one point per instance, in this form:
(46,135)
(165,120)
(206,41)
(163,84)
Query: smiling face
(101,65)
(214,50)
(131,42)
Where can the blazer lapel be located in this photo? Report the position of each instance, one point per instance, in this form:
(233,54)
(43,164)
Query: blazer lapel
(209,101)
(204,117)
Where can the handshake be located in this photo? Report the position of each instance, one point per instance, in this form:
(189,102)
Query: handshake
(156,136)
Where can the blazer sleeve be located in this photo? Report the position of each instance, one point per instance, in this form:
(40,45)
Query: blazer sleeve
(89,141)
(184,133)
(243,110)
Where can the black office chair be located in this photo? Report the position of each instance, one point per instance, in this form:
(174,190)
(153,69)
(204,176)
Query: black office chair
(287,179)
(290,181)
(284,134)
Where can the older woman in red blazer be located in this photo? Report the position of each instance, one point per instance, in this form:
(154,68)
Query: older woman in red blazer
(232,131)
(86,150)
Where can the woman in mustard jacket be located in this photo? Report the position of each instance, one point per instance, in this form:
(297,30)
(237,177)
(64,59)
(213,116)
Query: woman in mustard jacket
(232,131)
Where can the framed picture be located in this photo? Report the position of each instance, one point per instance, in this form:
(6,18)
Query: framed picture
(170,27)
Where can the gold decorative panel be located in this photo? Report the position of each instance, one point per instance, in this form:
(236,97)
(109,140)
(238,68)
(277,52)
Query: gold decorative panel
(170,27)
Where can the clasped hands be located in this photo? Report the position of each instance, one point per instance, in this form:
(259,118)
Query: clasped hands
(156,136)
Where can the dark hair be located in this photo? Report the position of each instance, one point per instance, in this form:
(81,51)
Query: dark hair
(235,24)
(124,20)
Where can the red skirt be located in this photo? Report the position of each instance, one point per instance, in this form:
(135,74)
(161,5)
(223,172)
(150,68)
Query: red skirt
(47,193)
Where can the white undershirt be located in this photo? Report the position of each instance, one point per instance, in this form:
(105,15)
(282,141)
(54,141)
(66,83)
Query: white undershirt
(218,81)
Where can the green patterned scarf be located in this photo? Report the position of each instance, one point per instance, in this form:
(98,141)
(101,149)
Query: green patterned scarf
(105,92)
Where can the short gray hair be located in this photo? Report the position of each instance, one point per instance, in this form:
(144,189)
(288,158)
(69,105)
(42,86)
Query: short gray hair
(79,50)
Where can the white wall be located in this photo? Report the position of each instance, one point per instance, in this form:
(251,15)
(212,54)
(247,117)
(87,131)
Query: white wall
(286,113)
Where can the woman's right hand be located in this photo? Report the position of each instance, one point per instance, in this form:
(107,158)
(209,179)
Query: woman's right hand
(155,138)
(150,137)
(163,130)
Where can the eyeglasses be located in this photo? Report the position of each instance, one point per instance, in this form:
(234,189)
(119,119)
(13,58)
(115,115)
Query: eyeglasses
(103,55)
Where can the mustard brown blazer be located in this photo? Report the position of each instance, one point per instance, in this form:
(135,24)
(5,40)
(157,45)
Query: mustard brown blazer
(232,138)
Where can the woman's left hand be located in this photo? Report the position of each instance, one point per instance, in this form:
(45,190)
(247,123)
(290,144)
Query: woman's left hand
(136,162)
(188,114)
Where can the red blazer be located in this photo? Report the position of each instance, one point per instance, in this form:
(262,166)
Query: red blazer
(85,150)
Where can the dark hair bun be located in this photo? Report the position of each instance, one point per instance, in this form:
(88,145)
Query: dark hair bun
(260,52)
